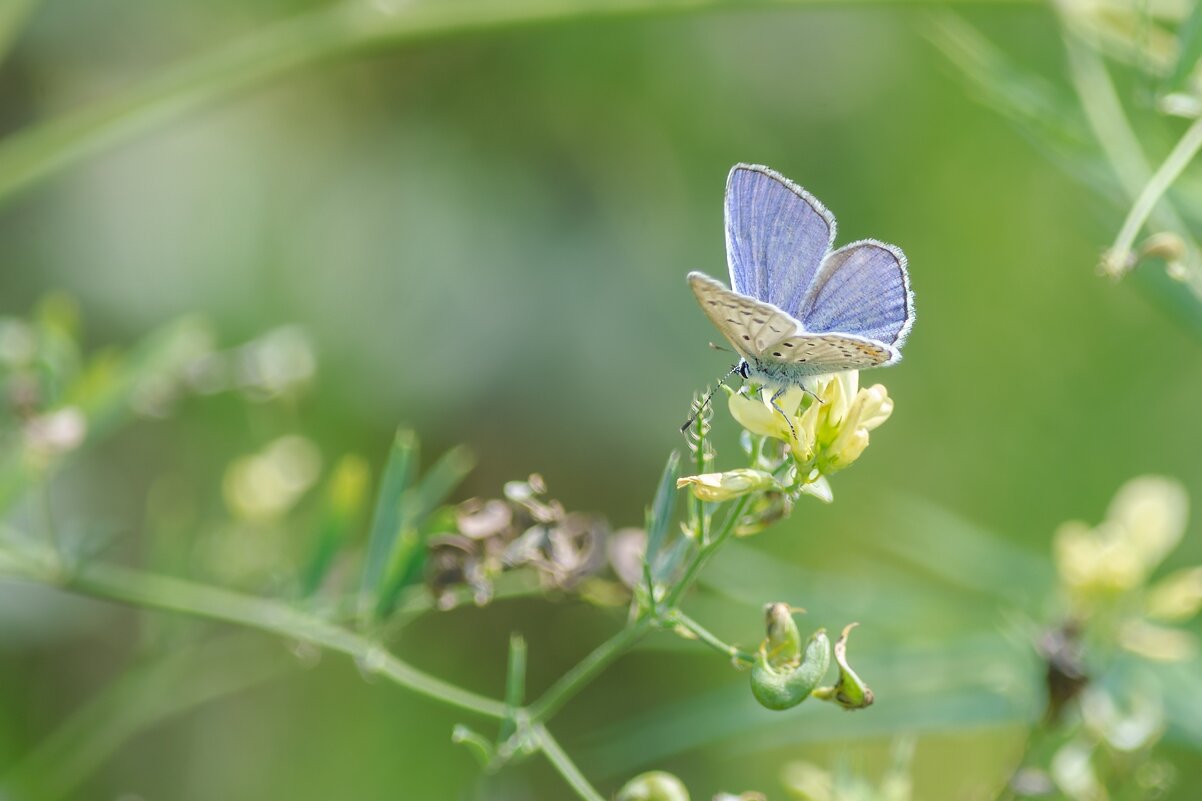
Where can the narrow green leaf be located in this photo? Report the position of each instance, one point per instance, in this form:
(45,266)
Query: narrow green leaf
(404,566)
(439,482)
(408,554)
(386,520)
(671,559)
(480,747)
(343,505)
(659,515)
(1189,50)
(515,685)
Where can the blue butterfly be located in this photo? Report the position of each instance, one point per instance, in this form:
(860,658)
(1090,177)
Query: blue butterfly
(799,308)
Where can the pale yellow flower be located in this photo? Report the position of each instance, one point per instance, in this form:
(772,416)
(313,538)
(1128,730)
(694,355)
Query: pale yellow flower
(715,487)
(1160,643)
(826,427)
(1176,597)
(1145,521)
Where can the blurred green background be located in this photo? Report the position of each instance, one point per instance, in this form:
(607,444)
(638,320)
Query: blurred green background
(485,235)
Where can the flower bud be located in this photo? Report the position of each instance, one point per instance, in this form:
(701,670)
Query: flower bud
(714,487)
(655,785)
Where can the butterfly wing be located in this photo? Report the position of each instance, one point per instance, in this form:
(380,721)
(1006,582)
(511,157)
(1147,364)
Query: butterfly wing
(776,236)
(774,341)
(751,326)
(862,289)
(816,354)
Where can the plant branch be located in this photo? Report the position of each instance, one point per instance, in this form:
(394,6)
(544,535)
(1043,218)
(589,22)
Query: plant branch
(704,554)
(152,591)
(1113,131)
(1177,160)
(706,636)
(564,764)
(588,669)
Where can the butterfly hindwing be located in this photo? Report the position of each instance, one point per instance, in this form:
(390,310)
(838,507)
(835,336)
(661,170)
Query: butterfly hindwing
(751,326)
(776,236)
(814,354)
(863,289)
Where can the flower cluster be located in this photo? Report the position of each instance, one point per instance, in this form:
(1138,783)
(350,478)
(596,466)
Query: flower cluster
(1105,571)
(809,435)
(1113,706)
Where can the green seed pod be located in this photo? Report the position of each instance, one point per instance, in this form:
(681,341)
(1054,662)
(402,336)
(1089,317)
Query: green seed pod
(783,676)
(655,785)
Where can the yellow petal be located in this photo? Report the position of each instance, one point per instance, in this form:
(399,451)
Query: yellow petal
(877,406)
(1176,597)
(715,487)
(1157,642)
(1152,511)
(758,417)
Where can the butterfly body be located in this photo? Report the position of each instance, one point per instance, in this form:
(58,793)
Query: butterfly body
(796,308)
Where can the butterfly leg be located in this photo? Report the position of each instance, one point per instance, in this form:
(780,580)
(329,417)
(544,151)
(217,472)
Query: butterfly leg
(811,393)
(776,395)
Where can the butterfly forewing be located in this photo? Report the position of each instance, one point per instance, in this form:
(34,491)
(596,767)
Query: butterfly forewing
(776,236)
(751,326)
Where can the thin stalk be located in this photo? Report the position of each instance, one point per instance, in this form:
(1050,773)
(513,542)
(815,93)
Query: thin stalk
(515,685)
(148,590)
(301,42)
(704,554)
(709,638)
(1168,172)
(564,764)
(1108,121)
(588,669)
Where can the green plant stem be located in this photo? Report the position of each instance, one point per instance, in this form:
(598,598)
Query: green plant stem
(706,636)
(1168,172)
(148,590)
(1113,131)
(588,669)
(703,555)
(563,763)
(300,42)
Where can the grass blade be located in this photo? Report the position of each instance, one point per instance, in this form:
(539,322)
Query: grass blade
(659,515)
(408,554)
(515,685)
(1189,50)
(345,495)
(386,520)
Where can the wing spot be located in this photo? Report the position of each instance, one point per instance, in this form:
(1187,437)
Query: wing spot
(788,344)
(757,320)
(775,330)
(746,337)
(776,353)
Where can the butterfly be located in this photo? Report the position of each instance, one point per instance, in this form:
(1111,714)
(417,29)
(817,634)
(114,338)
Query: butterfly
(796,308)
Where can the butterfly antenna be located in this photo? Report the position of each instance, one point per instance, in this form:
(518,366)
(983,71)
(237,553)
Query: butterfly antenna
(719,347)
(701,406)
